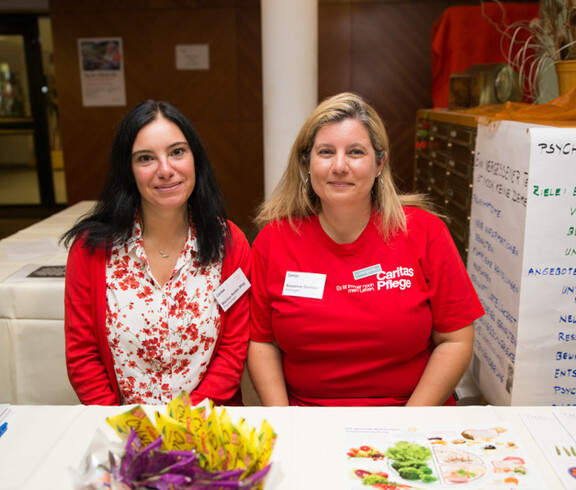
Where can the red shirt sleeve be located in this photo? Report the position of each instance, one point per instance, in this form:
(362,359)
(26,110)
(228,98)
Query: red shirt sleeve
(453,299)
(260,310)
(84,289)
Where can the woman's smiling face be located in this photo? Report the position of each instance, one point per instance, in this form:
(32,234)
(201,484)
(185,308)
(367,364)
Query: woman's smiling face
(343,164)
(163,166)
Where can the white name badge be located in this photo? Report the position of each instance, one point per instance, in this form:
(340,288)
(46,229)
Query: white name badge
(304,284)
(231,289)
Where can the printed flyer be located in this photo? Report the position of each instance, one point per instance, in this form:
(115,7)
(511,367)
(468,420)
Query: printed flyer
(414,458)
(556,434)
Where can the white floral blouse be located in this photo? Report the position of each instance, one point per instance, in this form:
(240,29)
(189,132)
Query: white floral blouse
(161,338)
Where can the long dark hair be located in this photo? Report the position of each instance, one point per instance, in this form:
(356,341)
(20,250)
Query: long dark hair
(112,219)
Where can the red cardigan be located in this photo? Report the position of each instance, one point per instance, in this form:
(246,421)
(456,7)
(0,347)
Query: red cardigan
(88,356)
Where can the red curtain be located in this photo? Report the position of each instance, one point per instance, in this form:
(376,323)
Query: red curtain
(462,37)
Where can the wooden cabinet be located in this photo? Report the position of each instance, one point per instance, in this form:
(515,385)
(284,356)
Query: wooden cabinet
(443,168)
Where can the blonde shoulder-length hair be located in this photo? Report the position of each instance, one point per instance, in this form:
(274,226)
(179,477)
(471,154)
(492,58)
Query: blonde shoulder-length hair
(295,198)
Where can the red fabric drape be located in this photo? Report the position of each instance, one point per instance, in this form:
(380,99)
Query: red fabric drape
(462,37)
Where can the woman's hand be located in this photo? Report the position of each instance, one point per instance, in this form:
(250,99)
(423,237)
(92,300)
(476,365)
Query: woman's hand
(265,368)
(448,362)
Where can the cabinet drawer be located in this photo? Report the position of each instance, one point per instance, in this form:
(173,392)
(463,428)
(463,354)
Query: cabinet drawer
(459,167)
(462,135)
(457,191)
(462,153)
(438,157)
(439,129)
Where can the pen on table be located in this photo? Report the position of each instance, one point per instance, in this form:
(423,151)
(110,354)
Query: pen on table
(3,428)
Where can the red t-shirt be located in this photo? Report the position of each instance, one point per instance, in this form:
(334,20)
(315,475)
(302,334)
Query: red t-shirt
(366,341)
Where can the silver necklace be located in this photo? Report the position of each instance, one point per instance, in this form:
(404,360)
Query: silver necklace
(164,255)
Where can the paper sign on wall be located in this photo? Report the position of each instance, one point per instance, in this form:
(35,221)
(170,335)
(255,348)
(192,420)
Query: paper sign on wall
(192,57)
(102,72)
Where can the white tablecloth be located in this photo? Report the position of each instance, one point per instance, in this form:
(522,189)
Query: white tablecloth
(32,365)
(43,442)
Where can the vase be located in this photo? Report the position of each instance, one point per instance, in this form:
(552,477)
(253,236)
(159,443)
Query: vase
(566,72)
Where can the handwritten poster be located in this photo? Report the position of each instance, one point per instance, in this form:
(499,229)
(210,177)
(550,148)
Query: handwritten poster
(497,226)
(102,72)
(548,294)
(520,255)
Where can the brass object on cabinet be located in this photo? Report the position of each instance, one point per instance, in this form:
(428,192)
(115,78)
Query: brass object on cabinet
(488,83)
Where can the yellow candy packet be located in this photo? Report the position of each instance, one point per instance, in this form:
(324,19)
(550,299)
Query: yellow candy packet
(243,440)
(230,440)
(253,452)
(267,439)
(136,419)
(215,440)
(175,435)
(248,449)
(179,409)
(220,444)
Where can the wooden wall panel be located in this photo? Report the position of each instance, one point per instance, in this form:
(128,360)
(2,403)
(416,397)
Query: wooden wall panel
(334,49)
(380,49)
(219,101)
(391,66)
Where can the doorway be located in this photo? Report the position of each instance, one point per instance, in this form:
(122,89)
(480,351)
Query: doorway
(31,163)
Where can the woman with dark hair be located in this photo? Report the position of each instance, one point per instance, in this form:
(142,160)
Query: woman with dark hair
(141,320)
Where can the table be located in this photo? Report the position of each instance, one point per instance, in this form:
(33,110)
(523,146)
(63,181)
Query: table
(32,364)
(43,442)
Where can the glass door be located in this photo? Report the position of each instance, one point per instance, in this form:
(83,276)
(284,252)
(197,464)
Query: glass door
(26,175)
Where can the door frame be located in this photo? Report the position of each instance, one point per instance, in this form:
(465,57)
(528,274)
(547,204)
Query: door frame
(26,25)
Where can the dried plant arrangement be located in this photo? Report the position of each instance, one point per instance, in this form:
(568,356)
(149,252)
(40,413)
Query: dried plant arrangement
(533,47)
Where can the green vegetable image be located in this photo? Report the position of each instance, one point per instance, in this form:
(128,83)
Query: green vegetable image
(428,478)
(410,461)
(409,473)
(404,450)
(373,479)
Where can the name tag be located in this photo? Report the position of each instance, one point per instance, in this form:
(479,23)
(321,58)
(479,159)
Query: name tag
(367,271)
(231,289)
(304,284)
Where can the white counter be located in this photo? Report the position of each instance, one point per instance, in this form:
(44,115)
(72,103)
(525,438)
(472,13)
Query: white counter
(43,442)
(32,365)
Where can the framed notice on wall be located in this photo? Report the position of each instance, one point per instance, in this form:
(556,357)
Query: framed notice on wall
(522,261)
(102,72)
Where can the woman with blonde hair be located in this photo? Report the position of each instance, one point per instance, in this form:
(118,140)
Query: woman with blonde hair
(359,296)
